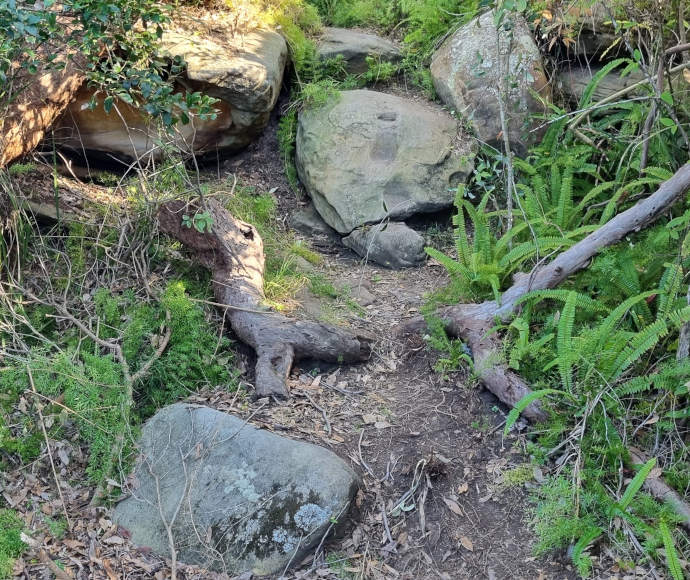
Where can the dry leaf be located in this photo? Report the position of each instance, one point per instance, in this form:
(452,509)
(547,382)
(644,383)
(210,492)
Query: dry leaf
(463,488)
(686,75)
(114,540)
(453,506)
(467,543)
(369,418)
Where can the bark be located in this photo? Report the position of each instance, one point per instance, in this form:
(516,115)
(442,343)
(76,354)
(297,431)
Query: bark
(234,253)
(25,121)
(471,322)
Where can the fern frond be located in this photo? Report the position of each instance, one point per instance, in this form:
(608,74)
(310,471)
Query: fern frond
(643,341)
(672,560)
(668,289)
(525,402)
(528,249)
(564,341)
(626,189)
(582,301)
(462,241)
(596,79)
(452,267)
(565,197)
(636,483)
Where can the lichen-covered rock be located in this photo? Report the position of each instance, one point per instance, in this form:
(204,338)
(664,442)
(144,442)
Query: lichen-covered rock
(468,76)
(355,46)
(393,245)
(368,156)
(244,499)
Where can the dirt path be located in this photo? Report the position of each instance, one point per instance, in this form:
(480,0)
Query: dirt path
(411,432)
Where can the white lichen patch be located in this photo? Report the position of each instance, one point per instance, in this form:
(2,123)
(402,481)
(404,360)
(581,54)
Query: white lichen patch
(310,516)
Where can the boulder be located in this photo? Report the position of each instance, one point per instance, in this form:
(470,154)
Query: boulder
(238,499)
(468,76)
(307,221)
(574,80)
(368,156)
(393,245)
(355,46)
(244,72)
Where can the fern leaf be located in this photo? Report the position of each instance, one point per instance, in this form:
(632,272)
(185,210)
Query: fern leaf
(672,560)
(605,329)
(645,340)
(626,189)
(525,402)
(452,267)
(582,301)
(668,289)
(564,341)
(636,483)
(528,249)
(462,242)
(581,545)
(596,79)
(565,197)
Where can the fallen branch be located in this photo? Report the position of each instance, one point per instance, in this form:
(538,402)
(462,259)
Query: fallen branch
(233,251)
(471,322)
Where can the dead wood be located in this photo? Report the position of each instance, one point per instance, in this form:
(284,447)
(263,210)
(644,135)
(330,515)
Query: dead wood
(471,322)
(233,251)
(41,99)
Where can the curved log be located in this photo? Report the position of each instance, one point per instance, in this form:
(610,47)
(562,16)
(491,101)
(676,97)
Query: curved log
(233,251)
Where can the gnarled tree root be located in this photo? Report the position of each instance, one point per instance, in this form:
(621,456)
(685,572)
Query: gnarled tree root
(471,322)
(233,251)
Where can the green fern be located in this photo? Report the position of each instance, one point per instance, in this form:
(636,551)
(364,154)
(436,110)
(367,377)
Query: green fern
(672,560)
(566,356)
(525,402)
(636,484)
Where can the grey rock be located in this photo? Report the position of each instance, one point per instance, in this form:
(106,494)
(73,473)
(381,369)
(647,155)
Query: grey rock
(467,76)
(355,47)
(593,31)
(393,245)
(245,71)
(308,222)
(248,500)
(370,156)
(574,80)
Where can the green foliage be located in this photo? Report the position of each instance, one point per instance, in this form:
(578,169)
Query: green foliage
(287,134)
(606,338)
(11,545)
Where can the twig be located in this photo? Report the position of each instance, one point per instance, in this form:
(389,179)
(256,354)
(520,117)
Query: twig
(361,458)
(323,411)
(54,568)
(39,408)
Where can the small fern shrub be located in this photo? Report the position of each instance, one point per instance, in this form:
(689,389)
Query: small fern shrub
(91,381)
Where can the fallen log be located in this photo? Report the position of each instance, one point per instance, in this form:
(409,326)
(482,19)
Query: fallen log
(471,322)
(233,251)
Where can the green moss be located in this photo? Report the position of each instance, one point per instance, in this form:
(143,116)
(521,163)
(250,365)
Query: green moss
(11,545)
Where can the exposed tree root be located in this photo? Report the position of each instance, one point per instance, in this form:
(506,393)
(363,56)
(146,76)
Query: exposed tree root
(233,251)
(471,322)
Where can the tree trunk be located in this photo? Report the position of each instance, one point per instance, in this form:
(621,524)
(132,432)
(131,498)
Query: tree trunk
(234,253)
(27,118)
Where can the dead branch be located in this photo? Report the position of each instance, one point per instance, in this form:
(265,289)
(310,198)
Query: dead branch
(233,251)
(471,322)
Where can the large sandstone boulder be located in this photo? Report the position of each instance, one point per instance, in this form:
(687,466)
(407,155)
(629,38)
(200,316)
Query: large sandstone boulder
(369,156)
(393,245)
(238,499)
(468,75)
(355,46)
(244,72)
